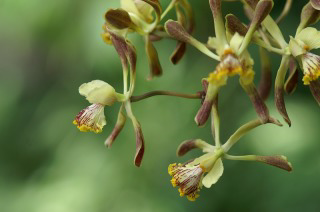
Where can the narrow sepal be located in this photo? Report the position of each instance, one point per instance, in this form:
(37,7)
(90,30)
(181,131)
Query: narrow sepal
(277,161)
(117,129)
(293,78)
(154,63)
(279,101)
(257,101)
(315,90)
(265,83)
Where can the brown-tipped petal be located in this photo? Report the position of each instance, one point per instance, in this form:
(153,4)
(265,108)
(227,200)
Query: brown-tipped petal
(279,89)
(215,6)
(154,63)
(309,16)
(315,90)
(139,145)
(233,25)
(252,3)
(177,31)
(178,52)
(277,161)
(315,4)
(274,121)
(205,84)
(118,19)
(120,45)
(188,145)
(257,102)
(181,46)
(293,78)
(116,130)
(279,101)
(205,110)
(156,6)
(265,83)
(262,9)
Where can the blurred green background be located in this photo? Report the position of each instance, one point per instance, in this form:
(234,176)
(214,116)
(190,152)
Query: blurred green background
(49,48)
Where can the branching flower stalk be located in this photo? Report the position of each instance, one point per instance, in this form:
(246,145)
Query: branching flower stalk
(229,49)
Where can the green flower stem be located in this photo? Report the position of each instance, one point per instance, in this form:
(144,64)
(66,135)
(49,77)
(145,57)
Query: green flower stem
(271,48)
(167,10)
(234,138)
(243,157)
(125,77)
(216,123)
(164,93)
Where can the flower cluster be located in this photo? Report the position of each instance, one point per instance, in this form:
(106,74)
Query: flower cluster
(229,47)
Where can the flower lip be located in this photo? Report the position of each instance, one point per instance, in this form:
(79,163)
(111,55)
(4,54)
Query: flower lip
(91,119)
(229,66)
(187,178)
(311,67)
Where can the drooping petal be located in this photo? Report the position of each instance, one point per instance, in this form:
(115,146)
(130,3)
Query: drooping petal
(214,174)
(98,92)
(293,78)
(153,59)
(117,129)
(315,90)
(265,83)
(91,119)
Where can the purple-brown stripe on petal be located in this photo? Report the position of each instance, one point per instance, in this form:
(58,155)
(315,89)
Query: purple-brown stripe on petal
(277,161)
(315,90)
(118,18)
